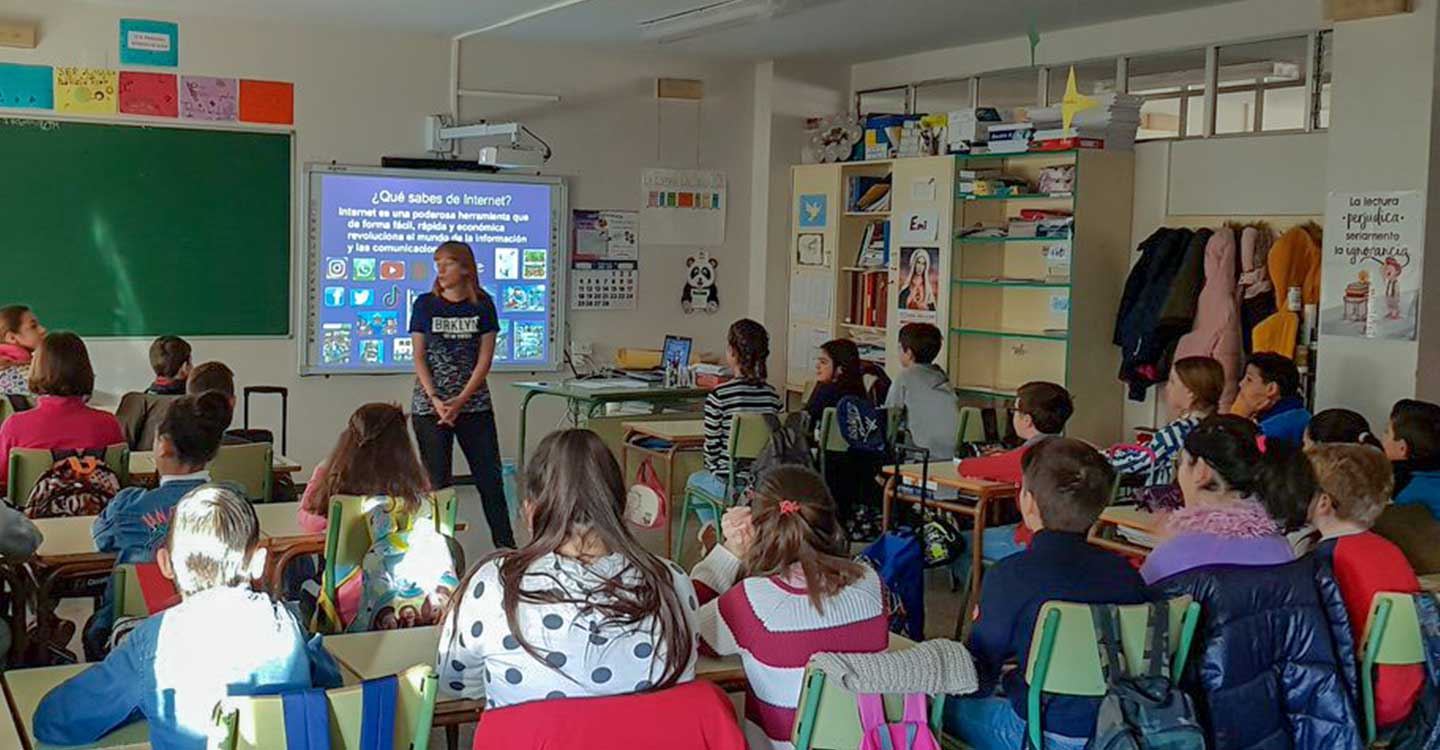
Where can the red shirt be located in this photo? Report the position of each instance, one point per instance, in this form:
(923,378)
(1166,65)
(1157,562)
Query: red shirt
(63,422)
(1001,467)
(1367,563)
(693,715)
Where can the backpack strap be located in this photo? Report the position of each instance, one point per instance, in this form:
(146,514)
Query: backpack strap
(872,718)
(307,720)
(1107,639)
(1157,643)
(1427,606)
(377,707)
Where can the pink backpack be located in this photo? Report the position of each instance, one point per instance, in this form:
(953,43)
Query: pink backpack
(912,732)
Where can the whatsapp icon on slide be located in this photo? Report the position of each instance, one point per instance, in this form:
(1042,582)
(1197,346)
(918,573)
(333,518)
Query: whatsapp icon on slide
(364,269)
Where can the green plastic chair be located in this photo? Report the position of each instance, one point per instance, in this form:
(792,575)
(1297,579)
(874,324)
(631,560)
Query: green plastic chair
(1392,637)
(828,719)
(833,441)
(748,436)
(258,723)
(347,537)
(1065,658)
(250,465)
(972,426)
(27,464)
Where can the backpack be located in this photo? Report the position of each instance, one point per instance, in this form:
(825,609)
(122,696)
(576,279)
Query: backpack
(789,445)
(647,502)
(408,574)
(861,424)
(1421,729)
(1147,711)
(912,732)
(78,484)
(899,562)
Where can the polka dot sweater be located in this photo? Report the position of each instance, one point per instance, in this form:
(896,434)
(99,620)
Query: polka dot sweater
(583,656)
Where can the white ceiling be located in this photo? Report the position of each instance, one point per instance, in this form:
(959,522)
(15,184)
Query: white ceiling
(852,30)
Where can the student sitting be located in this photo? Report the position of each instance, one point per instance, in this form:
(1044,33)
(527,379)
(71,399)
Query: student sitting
(170,359)
(1412,443)
(222,639)
(1270,395)
(1241,493)
(1192,394)
(837,375)
(932,411)
(1339,426)
(583,609)
(63,379)
(781,588)
(135,523)
(1355,484)
(20,335)
(217,377)
(748,346)
(1067,485)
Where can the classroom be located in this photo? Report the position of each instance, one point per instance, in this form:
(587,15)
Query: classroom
(826,374)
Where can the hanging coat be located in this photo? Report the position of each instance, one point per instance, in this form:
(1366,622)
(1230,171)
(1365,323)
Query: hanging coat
(1257,296)
(1146,291)
(1216,332)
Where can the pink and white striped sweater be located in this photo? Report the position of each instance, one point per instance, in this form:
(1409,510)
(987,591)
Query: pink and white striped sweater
(771,624)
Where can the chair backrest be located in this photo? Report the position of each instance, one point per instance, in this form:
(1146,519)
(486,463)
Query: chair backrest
(1065,658)
(249,465)
(827,719)
(347,538)
(972,426)
(1392,631)
(117,457)
(127,582)
(831,439)
(26,466)
(258,723)
(748,435)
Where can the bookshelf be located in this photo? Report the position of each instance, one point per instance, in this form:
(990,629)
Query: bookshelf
(1043,308)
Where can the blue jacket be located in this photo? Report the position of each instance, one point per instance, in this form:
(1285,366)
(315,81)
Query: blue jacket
(1423,489)
(135,523)
(1286,420)
(174,668)
(1271,669)
(1056,566)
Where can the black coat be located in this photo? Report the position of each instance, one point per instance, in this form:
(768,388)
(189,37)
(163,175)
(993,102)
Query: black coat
(1269,666)
(1162,256)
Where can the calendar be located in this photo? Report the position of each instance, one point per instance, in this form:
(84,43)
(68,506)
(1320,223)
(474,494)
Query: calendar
(603,284)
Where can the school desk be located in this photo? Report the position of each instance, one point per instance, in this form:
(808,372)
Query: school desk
(1126,529)
(675,437)
(143,472)
(24,688)
(67,553)
(283,539)
(977,498)
(585,398)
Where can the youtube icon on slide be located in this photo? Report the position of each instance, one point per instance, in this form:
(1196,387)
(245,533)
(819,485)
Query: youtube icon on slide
(392,270)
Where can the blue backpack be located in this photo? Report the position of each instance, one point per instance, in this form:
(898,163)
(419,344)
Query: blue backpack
(899,561)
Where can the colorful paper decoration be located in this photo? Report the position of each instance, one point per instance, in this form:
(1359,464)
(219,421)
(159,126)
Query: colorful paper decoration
(269,102)
(149,94)
(1074,101)
(155,43)
(207,98)
(86,91)
(27,86)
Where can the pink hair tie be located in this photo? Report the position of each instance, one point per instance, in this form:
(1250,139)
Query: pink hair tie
(789,506)
(1260,443)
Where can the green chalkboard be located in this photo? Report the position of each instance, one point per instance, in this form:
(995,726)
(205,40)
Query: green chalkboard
(120,230)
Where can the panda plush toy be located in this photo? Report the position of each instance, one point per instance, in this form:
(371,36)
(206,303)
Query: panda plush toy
(700,293)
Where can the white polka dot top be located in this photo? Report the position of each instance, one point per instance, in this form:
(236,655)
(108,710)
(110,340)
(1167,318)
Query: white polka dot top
(583,656)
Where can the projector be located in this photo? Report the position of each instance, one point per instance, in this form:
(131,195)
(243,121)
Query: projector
(504,157)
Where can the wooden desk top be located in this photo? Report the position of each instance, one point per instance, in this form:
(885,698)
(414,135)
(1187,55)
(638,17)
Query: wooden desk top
(1131,517)
(947,474)
(142,464)
(280,521)
(66,536)
(680,431)
(26,687)
(609,389)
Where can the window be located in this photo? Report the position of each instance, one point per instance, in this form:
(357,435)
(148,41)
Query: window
(881,101)
(1261,86)
(1016,88)
(1323,68)
(1090,78)
(1172,86)
(942,96)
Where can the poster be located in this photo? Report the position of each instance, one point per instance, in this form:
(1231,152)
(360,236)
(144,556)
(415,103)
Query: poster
(86,91)
(145,42)
(27,86)
(919,284)
(603,284)
(810,249)
(206,98)
(813,210)
(920,226)
(611,235)
(148,94)
(1372,264)
(683,207)
(267,102)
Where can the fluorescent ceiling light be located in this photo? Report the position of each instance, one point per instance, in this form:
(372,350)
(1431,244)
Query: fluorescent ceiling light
(715,16)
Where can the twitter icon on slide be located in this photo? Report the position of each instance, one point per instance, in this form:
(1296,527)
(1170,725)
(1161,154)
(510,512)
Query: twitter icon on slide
(362,297)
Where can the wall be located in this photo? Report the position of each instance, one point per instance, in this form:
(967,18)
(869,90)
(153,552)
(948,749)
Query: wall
(358,95)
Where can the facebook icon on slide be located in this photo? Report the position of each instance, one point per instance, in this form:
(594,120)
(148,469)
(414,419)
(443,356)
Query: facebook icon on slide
(334,296)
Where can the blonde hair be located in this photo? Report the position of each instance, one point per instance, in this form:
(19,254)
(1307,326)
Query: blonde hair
(461,253)
(213,536)
(1357,478)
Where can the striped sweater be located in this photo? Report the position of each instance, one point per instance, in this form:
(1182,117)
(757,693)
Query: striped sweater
(723,403)
(1158,464)
(771,624)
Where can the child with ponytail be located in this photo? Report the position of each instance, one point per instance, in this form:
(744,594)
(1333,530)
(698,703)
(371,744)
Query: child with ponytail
(1242,494)
(781,588)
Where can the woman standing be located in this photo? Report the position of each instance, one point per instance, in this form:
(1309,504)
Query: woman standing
(453,327)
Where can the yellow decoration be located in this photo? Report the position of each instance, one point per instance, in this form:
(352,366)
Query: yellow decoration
(86,91)
(1074,101)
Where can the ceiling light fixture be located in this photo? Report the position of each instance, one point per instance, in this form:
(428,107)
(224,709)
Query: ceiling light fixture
(717,15)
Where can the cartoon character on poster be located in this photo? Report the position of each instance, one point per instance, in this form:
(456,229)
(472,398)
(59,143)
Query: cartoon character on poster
(920,269)
(1390,271)
(700,292)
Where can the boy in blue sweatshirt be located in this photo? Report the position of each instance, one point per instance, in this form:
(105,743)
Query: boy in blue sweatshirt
(1412,443)
(1270,395)
(222,639)
(136,521)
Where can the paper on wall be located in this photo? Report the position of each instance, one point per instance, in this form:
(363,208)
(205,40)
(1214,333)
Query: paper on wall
(1372,264)
(922,190)
(605,235)
(801,351)
(811,296)
(920,226)
(683,207)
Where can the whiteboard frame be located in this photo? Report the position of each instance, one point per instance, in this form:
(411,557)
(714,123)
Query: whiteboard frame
(308,283)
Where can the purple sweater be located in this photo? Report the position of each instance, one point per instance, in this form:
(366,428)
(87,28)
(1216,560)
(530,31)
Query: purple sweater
(1239,534)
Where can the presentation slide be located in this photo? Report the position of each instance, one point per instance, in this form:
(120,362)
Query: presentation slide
(373,239)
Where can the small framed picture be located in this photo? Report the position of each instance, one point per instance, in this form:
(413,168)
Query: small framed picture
(810,250)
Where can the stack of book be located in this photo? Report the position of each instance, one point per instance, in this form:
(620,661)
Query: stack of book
(1111,125)
(874,246)
(1010,137)
(869,194)
(973,182)
(969,127)
(869,296)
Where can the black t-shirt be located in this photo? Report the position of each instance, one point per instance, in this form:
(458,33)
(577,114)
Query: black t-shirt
(453,331)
